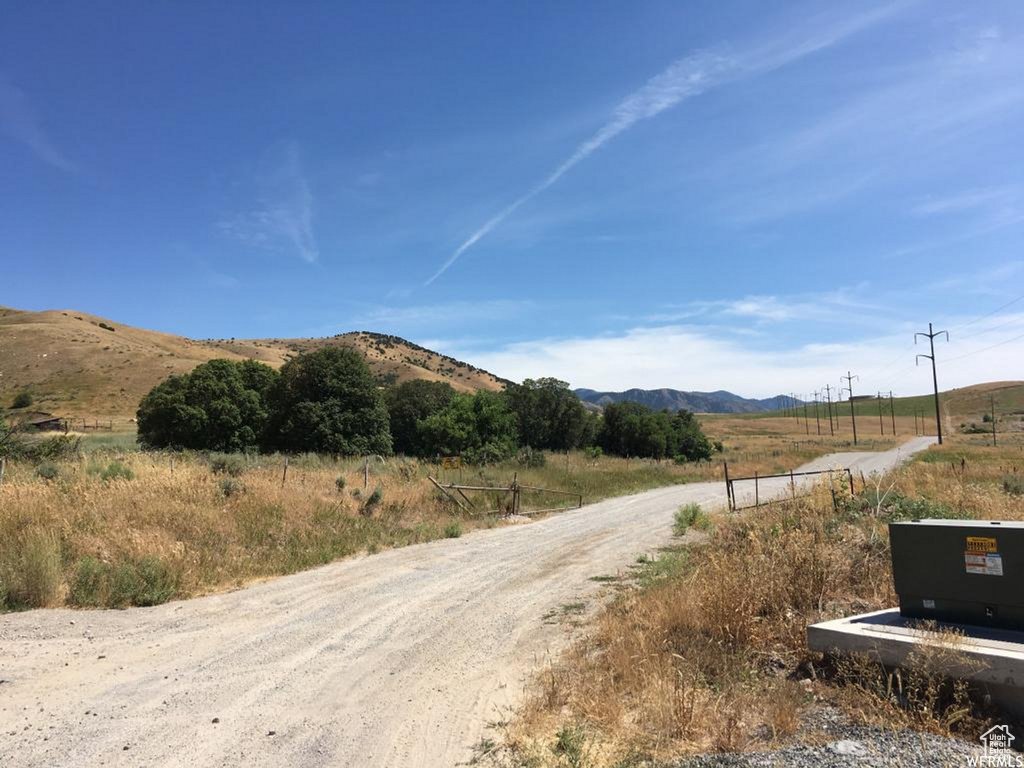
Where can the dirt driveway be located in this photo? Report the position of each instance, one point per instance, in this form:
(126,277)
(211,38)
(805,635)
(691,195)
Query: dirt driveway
(397,659)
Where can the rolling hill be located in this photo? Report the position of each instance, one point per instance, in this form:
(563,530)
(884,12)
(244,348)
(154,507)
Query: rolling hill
(81,365)
(676,400)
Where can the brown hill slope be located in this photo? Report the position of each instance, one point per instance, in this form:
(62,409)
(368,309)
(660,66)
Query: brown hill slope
(76,364)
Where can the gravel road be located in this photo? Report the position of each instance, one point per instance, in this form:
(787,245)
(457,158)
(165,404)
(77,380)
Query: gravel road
(396,659)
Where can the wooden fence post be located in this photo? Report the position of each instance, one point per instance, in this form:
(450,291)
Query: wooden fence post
(3,466)
(730,502)
(366,471)
(284,475)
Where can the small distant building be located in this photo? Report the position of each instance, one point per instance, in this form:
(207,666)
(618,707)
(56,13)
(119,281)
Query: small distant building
(38,420)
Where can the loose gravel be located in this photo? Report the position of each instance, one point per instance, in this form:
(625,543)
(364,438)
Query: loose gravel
(396,659)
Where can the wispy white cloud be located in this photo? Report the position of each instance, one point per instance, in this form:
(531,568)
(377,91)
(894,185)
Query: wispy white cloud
(892,131)
(968,200)
(845,307)
(451,314)
(698,358)
(283,217)
(683,79)
(19,121)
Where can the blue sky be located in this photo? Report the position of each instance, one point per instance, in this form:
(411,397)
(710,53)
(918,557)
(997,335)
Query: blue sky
(655,194)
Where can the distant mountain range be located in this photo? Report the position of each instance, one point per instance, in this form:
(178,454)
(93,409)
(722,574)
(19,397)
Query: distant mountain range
(676,400)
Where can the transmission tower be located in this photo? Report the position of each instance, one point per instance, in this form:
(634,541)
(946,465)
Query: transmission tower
(828,394)
(935,378)
(849,379)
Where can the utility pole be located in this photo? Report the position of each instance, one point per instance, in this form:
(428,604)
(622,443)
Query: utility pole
(892,412)
(935,378)
(881,424)
(849,388)
(992,403)
(828,394)
(817,420)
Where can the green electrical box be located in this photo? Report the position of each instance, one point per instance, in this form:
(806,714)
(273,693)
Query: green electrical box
(960,571)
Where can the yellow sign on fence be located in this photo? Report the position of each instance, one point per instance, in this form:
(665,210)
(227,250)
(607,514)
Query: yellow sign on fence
(451,462)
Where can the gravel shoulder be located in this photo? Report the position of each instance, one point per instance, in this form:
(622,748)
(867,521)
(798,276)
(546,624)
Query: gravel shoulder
(829,738)
(395,659)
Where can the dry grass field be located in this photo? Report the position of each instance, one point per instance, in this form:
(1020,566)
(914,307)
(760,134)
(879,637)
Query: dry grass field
(116,526)
(83,366)
(704,650)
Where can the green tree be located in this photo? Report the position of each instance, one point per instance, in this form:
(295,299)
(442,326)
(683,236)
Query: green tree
(548,414)
(633,429)
(10,441)
(408,405)
(686,440)
(479,427)
(22,400)
(220,406)
(327,401)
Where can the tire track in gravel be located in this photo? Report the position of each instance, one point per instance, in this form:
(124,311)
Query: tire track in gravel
(395,659)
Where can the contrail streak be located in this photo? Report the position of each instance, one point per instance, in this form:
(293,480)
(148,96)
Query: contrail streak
(683,79)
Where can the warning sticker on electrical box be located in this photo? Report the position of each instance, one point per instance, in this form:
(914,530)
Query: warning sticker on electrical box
(977,544)
(986,564)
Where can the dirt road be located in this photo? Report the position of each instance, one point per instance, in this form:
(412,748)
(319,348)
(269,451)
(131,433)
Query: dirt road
(398,659)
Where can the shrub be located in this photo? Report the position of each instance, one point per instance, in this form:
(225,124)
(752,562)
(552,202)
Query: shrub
(148,582)
(894,506)
(453,530)
(372,501)
(40,570)
(115,470)
(571,745)
(408,470)
(978,430)
(159,582)
(22,400)
(106,327)
(55,448)
(1014,484)
(227,464)
(230,486)
(339,483)
(593,452)
(47,470)
(90,584)
(690,515)
(532,458)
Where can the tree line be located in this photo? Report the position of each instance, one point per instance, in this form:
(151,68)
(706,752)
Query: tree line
(328,401)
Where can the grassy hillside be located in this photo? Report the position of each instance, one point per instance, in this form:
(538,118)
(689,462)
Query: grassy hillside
(81,365)
(966,404)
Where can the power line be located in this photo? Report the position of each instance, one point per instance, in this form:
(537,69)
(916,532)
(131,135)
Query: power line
(990,328)
(994,311)
(986,349)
